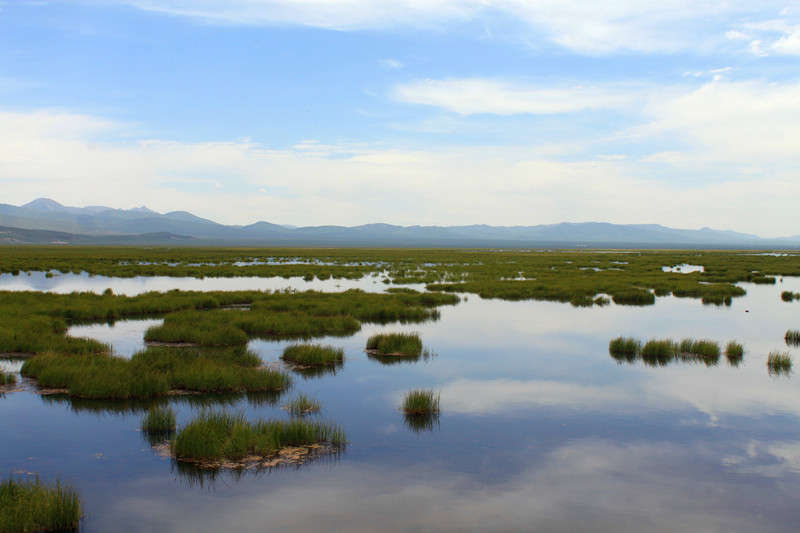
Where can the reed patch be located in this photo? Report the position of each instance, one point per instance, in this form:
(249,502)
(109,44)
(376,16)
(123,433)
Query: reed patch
(34,506)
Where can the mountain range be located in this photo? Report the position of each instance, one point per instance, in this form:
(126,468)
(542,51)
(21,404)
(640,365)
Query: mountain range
(45,221)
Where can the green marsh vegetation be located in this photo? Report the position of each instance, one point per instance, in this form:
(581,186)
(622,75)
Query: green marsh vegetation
(734,352)
(779,363)
(789,296)
(417,402)
(218,436)
(395,344)
(7,378)
(577,277)
(662,352)
(155,371)
(159,420)
(792,337)
(313,355)
(302,405)
(36,323)
(34,506)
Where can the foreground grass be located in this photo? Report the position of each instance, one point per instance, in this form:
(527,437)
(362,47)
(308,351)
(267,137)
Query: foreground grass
(421,402)
(402,344)
(313,354)
(33,506)
(217,436)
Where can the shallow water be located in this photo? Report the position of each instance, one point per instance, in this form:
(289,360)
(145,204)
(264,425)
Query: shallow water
(540,430)
(83,282)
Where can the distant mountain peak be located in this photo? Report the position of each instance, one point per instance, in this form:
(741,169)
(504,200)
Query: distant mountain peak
(144,209)
(44,204)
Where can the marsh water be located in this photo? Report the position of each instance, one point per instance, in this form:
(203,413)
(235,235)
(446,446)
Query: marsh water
(540,430)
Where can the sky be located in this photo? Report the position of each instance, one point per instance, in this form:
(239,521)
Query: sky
(684,113)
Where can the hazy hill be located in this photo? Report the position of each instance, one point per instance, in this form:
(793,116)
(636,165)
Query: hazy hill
(98,224)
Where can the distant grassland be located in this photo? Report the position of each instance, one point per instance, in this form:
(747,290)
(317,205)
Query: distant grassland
(35,323)
(577,277)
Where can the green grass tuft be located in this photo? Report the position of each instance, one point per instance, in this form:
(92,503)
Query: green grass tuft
(792,337)
(159,420)
(302,405)
(624,345)
(28,506)
(779,363)
(421,402)
(734,351)
(7,378)
(313,354)
(408,344)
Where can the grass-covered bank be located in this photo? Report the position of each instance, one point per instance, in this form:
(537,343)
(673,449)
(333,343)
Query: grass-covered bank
(34,506)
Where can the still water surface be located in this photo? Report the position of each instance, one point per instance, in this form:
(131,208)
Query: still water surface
(541,430)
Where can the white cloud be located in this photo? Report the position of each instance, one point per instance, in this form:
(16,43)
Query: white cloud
(586,27)
(58,155)
(748,121)
(475,95)
(391,63)
(498,395)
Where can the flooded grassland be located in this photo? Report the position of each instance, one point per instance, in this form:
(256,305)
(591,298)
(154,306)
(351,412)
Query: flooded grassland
(560,391)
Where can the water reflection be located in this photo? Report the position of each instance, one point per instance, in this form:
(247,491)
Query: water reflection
(141,406)
(318,371)
(425,423)
(207,478)
(83,282)
(388,360)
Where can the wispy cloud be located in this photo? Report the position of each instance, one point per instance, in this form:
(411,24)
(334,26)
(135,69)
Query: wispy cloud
(593,28)
(475,96)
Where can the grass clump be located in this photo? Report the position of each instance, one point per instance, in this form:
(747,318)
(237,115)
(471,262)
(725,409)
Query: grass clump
(7,378)
(789,296)
(705,350)
(302,405)
(402,344)
(779,363)
(28,506)
(659,348)
(734,351)
(421,402)
(313,354)
(792,337)
(219,436)
(159,420)
(634,297)
(624,346)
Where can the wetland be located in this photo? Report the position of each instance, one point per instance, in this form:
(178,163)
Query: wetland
(248,389)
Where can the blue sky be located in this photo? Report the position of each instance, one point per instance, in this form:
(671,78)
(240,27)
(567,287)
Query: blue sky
(440,112)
